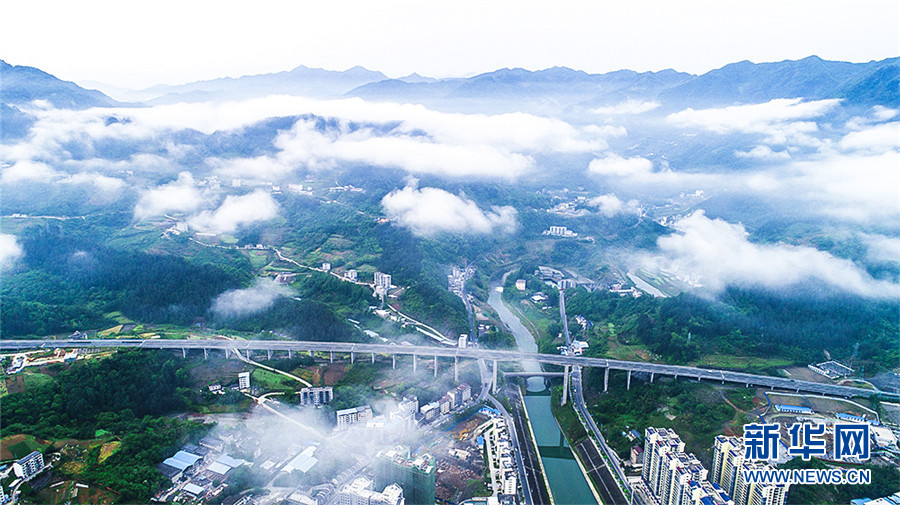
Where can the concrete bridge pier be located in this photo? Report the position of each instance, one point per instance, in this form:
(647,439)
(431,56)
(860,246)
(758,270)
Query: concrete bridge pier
(205,353)
(628,382)
(269,355)
(651,377)
(352,357)
(606,380)
(494,383)
(330,356)
(414,363)
(290,354)
(183,352)
(394,361)
(566,385)
(435,366)
(311,354)
(456,368)
(373,358)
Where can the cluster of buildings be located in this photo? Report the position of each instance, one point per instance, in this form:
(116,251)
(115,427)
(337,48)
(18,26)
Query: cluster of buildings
(382,283)
(620,289)
(729,466)
(560,231)
(501,458)
(672,477)
(399,421)
(404,418)
(454,398)
(347,418)
(893,499)
(576,349)
(362,492)
(456,279)
(414,474)
(195,469)
(831,369)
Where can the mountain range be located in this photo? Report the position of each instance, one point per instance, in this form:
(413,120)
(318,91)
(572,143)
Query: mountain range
(863,84)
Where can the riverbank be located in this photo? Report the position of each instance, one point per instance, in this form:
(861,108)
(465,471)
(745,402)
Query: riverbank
(558,467)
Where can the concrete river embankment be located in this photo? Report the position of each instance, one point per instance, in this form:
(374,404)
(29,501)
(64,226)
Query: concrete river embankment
(568,485)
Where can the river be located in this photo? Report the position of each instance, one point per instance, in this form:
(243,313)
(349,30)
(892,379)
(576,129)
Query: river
(567,483)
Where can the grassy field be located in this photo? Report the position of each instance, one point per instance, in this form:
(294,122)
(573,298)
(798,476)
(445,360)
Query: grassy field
(34,379)
(19,446)
(108,449)
(631,352)
(272,381)
(72,492)
(742,362)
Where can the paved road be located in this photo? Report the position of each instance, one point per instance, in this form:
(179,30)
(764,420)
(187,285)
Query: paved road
(596,466)
(486,383)
(611,490)
(451,352)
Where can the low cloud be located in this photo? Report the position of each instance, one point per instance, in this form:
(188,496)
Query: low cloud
(782,121)
(718,254)
(854,187)
(616,166)
(428,211)
(181,195)
(10,251)
(882,248)
(628,107)
(236,211)
(406,136)
(245,302)
(876,138)
(307,145)
(101,183)
(609,205)
(28,171)
(764,153)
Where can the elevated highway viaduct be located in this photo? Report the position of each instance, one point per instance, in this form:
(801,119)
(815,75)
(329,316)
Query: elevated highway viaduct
(435,353)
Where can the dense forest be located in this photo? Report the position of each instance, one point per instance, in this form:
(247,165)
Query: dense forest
(755,323)
(300,320)
(69,280)
(124,395)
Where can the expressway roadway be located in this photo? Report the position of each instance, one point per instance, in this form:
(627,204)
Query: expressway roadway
(453,352)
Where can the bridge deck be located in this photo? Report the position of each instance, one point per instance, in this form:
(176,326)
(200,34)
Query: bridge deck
(453,352)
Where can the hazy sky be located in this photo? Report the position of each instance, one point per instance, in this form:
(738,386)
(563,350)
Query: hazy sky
(138,43)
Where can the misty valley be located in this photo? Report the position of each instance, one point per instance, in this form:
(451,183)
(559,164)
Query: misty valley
(518,287)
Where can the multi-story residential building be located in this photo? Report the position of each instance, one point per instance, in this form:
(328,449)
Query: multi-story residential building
(728,458)
(360,492)
(29,466)
(316,396)
(383,280)
(729,466)
(414,474)
(244,381)
(356,415)
(404,417)
(658,443)
(465,392)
